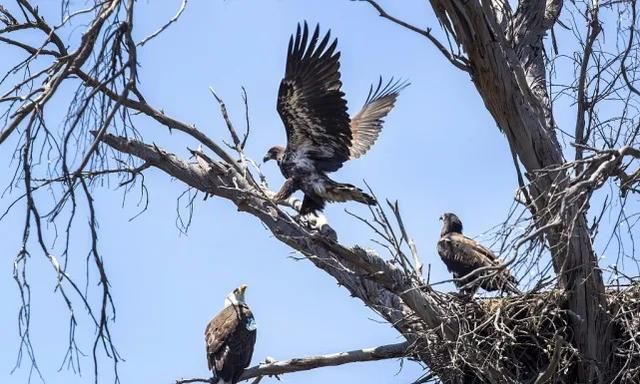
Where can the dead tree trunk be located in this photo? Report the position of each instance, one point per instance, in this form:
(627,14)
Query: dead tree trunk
(505,59)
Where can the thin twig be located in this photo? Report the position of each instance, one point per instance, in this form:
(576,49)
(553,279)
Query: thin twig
(174,19)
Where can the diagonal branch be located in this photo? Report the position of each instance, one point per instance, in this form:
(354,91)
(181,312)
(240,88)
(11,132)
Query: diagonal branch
(174,19)
(380,285)
(160,117)
(221,180)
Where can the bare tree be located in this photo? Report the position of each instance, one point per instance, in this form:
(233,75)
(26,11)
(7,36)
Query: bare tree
(579,320)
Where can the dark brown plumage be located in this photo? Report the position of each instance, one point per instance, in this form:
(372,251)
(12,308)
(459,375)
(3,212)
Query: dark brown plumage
(230,338)
(463,255)
(320,135)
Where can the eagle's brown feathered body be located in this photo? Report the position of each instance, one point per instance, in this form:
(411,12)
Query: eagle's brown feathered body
(320,134)
(463,255)
(230,338)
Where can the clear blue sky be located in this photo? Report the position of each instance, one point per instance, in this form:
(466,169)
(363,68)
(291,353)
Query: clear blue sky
(440,151)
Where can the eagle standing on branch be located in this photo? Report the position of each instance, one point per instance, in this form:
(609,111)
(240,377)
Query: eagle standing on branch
(320,134)
(230,337)
(463,255)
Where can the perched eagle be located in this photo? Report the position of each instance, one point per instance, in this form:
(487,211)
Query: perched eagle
(463,255)
(230,337)
(320,134)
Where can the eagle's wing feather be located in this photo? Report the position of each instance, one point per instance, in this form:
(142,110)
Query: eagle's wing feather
(310,103)
(230,338)
(463,255)
(217,334)
(367,124)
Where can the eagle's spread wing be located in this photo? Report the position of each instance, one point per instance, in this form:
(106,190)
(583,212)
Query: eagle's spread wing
(310,103)
(367,124)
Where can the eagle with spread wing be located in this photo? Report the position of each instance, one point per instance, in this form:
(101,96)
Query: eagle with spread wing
(320,135)
(463,256)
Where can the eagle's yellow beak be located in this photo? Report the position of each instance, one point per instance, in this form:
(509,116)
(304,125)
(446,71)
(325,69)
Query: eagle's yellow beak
(243,288)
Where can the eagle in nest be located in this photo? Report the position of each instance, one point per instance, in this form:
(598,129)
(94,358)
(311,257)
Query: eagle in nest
(320,134)
(463,256)
(230,337)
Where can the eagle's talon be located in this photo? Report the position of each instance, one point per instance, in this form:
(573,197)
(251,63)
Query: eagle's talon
(303,219)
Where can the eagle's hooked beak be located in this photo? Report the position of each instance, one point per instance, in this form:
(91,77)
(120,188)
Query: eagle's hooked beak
(237,296)
(266,158)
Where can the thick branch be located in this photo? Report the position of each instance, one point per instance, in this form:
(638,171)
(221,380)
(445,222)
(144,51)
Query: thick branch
(377,283)
(220,181)
(160,117)
(526,32)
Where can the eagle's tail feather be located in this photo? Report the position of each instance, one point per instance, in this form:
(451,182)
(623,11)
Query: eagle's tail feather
(346,192)
(310,205)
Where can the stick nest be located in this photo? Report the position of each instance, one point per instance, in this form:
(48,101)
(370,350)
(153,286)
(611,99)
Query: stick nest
(527,339)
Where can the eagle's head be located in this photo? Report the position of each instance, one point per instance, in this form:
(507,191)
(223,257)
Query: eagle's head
(275,153)
(236,297)
(450,223)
